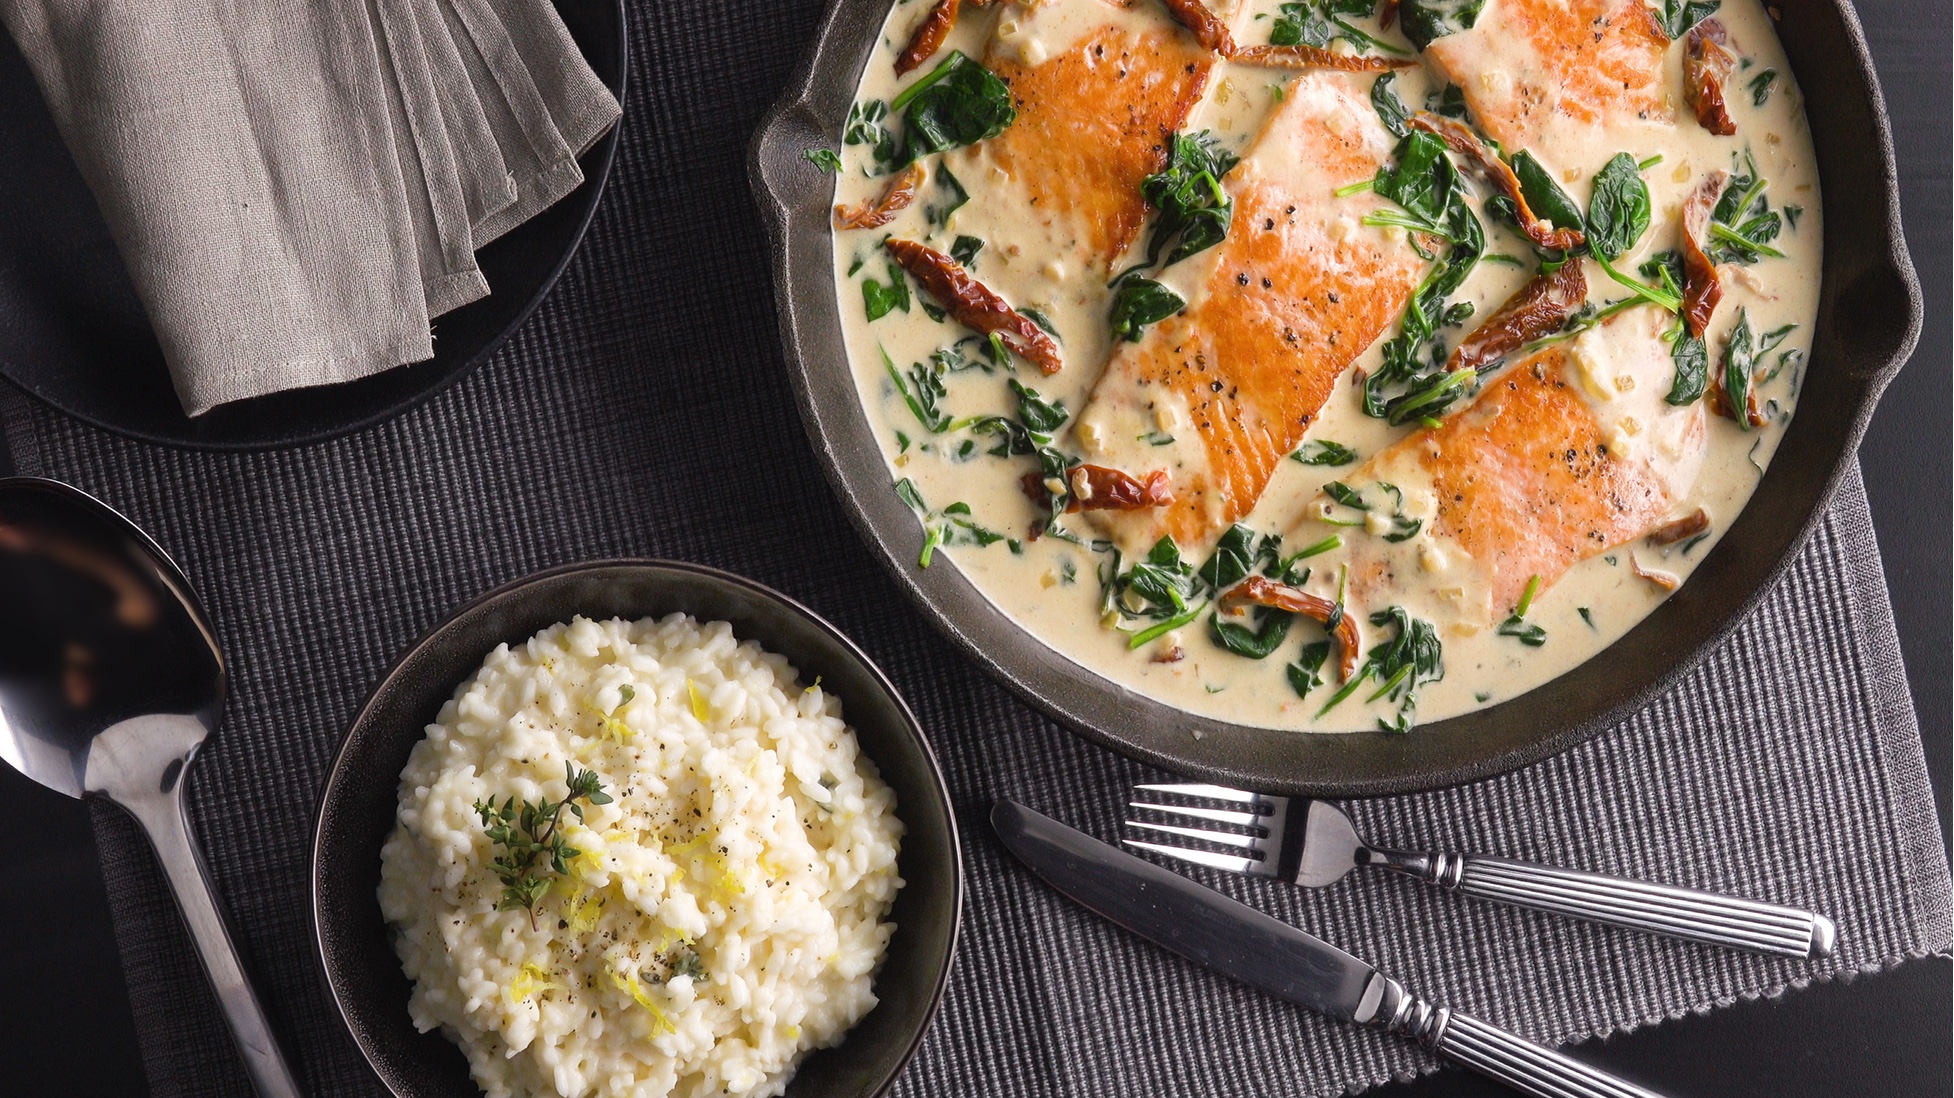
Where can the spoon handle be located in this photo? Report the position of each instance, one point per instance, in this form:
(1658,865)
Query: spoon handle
(160,809)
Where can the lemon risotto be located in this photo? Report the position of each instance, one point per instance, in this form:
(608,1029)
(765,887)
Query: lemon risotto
(721,908)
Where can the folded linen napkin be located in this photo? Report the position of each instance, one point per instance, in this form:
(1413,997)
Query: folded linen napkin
(297,189)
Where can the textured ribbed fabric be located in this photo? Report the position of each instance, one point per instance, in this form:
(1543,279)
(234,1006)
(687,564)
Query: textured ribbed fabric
(645,411)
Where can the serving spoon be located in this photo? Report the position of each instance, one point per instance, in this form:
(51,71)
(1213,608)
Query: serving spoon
(110,679)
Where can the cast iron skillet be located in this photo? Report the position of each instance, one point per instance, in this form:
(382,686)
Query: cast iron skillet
(73,335)
(356,812)
(1868,319)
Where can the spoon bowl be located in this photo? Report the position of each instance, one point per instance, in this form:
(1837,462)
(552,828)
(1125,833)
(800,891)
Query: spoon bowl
(110,680)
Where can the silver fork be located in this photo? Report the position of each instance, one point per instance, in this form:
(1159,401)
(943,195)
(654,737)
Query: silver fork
(1312,843)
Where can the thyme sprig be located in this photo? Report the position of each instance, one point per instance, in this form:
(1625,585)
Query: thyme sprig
(533,849)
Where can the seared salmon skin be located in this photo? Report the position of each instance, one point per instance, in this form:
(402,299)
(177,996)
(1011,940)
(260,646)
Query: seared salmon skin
(1221,392)
(1100,88)
(1537,73)
(1565,454)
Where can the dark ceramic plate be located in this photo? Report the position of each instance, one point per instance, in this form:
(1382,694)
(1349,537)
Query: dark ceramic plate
(73,335)
(1868,318)
(356,812)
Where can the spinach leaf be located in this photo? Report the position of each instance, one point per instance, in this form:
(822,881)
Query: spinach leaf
(1191,211)
(1618,210)
(1692,359)
(1271,626)
(964,250)
(1411,658)
(1761,86)
(1391,110)
(1429,395)
(1306,674)
(923,391)
(1450,101)
(1233,559)
(960,102)
(1425,21)
(879,301)
(1037,413)
(950,526)
(1320,22)
(864,127)
(1743,224)
(1678,16)
(1155,588)
(955,194)
(1139,302)
(1519,629)
(1346,495)
(827,160)
(1738,361)
(1419,178)
(1544,195)
(1324,452)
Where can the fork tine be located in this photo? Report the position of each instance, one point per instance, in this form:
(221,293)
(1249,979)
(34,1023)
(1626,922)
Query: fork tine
(1218,815)
(1209,858)
(1213,792)
(1225,838)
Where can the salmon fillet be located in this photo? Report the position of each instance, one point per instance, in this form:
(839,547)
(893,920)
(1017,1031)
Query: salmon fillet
(1100,90)
(1536,72)
(1295,293)
(1564,455)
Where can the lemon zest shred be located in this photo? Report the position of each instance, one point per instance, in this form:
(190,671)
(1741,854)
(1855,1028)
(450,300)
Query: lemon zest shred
(793,1033)
(610,727)
(700,709)
(630,986)
(530,979)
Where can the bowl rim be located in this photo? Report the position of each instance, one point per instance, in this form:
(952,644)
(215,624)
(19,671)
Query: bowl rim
(337,771)
(1108,713)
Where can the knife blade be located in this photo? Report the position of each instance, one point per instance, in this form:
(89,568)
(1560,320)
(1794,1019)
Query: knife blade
(1234,939)
(1193,920)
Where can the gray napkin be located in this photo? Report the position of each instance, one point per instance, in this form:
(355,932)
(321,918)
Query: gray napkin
(298,188)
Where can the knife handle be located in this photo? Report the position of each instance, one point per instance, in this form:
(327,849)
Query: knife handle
(1497,1054)
(1685,913)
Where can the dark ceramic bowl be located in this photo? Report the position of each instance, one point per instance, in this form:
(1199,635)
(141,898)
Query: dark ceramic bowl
(1868,319)
(356,812)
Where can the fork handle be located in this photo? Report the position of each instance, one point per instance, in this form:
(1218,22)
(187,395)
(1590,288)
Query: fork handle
(1684,913)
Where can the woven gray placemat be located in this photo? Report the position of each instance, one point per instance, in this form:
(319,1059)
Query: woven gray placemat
(645,411)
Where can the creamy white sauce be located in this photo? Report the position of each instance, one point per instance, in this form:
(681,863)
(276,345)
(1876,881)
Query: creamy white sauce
(1051,587)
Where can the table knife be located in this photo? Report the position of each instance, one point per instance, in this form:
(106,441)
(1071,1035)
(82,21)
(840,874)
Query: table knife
(1236,940)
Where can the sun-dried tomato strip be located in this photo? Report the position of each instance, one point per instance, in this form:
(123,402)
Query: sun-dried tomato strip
(1387,13)
(1690,525)
(1209,29)
(929,36)
(974,304)
(1537,310)
(1702,286)
(883,208)
(1263,591)
(1097,488)
(1464,142)
(1664,580)
(1310,57)
(1707,64)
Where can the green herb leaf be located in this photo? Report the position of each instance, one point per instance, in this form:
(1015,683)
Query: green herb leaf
(1425,21)
(1761,85)
(1391,110)
(1139,302)
(1346,495)
(1255,642)
(864,127)
(1738,361)
(825,159)
(1306,674)
(1692,358)
(532,850)
(1323,452)
(964,250)
(1191,211)
(879,301)
(1530,635)
(1618,209)
(958,103)
(1678,16)
(1544,194)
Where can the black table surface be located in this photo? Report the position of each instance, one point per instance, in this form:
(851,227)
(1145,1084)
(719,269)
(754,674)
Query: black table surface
(65,1026)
